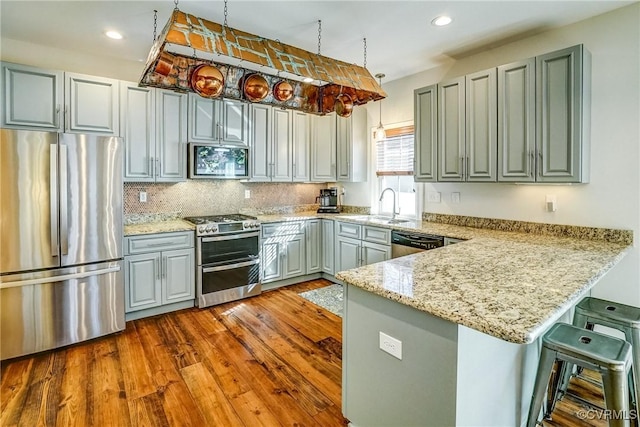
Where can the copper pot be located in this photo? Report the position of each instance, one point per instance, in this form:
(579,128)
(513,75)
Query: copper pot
(207,81)
(343,105)
(164,64)
(283,91)
(256,87)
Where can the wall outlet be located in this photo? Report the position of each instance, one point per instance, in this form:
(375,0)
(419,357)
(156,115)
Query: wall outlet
(433,197)
(247,194)
(143,197)
(455,197)
(551,204)
(391,345)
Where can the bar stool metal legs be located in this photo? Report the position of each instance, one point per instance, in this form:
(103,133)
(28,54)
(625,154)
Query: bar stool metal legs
(609,356)
(625,318)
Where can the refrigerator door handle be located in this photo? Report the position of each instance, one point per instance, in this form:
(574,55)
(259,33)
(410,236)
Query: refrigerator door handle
(61,278)
(53,198)
(64,218)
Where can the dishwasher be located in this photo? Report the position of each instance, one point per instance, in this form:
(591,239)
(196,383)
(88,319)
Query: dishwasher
(406,243)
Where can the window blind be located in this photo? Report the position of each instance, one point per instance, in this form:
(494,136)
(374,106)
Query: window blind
(394,155)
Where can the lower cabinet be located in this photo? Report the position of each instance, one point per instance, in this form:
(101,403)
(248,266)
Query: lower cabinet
(328,246)
(358,245)
(313,232)
(159,270)
(283,251)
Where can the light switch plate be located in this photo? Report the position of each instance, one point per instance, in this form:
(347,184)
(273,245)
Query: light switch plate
(247,194)
(391,345)
(433,197)
(143,197)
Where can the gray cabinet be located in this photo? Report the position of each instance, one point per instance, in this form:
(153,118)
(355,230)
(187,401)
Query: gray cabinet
(137,119)
(271,143)
(563,115)
(35,98)
(481,139)
(451,130)
(301,146)
(351,147)
(323,148)
(32,97)
(425,118)
(220,121)
(516,121)
(154,129)
(313,233)
(543,118)
(91,104)
(328,246)
(159,270)
(283,251)
(357,245)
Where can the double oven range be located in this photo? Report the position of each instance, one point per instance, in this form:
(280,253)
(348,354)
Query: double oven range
(227,258)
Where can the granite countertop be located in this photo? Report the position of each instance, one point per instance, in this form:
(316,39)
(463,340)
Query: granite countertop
(512,286)
(166,226)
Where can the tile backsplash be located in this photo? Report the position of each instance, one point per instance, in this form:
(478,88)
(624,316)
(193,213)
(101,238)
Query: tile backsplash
(214,197)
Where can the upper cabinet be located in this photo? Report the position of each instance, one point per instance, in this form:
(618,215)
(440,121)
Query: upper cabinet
(32,97)
(301,146)
(517,121)
(338,147)
(563,115)
(271,144)
(425,119)
(91,104)
(219,121)
(65,102)
(154,129)
(527,121)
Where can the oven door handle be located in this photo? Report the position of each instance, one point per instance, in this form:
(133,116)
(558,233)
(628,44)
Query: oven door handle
(230,237)
(230,266)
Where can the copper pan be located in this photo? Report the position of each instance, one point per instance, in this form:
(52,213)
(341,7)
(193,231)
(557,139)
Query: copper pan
(283,91)
(164,64)
(255,87)
(207,81)
(343,105)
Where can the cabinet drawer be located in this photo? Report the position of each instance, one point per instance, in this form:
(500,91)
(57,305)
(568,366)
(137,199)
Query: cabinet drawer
(376,235)
(346,229)
(282,228)
(157,242)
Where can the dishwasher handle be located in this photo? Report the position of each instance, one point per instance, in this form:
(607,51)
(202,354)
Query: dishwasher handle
(415,240)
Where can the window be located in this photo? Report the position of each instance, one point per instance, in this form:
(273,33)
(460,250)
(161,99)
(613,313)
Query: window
(394,169)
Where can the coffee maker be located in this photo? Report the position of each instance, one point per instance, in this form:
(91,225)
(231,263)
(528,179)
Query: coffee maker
(328,200)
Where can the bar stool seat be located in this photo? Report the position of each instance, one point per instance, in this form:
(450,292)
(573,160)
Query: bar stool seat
(625,318)
(609,356)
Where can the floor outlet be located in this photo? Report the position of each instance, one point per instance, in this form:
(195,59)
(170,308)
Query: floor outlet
(391,345)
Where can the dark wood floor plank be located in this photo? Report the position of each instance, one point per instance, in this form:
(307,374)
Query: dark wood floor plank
(72,409)
(106,398)
(137,376)
(214,405)
(14,390)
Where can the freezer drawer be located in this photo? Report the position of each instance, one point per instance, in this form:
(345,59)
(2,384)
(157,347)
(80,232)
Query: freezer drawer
(44,310)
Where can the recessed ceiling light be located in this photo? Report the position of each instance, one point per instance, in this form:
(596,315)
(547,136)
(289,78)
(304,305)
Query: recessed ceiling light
(441,21)
(113,35)
(307,80)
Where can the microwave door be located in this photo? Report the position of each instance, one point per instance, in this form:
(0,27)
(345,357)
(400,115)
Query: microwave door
(28,201)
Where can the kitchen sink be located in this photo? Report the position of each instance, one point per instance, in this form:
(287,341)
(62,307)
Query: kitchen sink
(378,219)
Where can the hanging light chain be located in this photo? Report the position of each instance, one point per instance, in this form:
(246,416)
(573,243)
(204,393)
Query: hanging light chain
(364,40)
(155,24)
(176,3)
(319,35)
(225,13)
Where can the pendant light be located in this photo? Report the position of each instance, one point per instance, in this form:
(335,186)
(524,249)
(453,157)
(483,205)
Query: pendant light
(380,133)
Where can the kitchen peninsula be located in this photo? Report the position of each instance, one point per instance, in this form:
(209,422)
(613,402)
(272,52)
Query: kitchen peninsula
(467,319)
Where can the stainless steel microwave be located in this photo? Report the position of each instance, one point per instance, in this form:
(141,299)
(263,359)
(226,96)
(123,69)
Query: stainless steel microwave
(214,161)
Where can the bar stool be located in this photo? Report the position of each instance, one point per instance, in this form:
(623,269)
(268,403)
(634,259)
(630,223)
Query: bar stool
(625,318)
(609,356)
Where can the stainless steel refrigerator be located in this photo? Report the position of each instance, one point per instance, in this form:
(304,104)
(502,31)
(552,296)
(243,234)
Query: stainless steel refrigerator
(61,271)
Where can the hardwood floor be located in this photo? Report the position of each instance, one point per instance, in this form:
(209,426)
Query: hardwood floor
(266,361)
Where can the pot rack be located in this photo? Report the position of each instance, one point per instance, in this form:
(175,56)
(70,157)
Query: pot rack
(320,84)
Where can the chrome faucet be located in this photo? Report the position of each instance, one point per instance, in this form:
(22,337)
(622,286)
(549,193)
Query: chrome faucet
(393,214)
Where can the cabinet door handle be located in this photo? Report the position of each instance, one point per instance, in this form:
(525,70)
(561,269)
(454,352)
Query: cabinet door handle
(540,165)
(158,164)
(164,266)
(158,270)
(468,167)
(532,160)
(462,167)
(66,118)
(57,123)
(151,171)
(219,132)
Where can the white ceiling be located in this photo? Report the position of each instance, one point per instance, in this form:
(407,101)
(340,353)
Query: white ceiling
(400,38)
